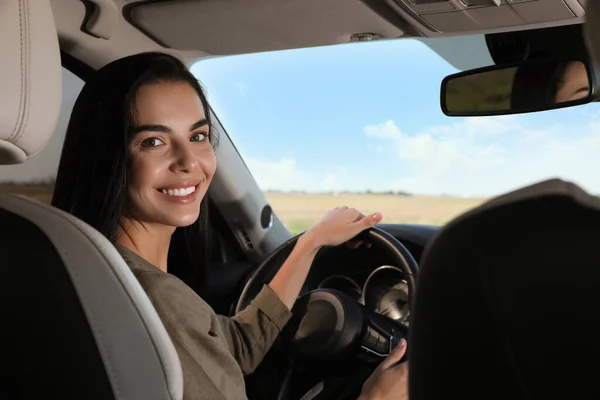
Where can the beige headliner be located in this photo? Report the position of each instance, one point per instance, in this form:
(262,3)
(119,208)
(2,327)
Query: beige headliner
(199,28)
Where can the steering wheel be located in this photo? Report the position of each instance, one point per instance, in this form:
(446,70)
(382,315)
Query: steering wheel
(329,326)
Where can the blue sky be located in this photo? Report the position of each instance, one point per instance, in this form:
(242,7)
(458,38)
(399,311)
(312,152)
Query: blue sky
(367,116)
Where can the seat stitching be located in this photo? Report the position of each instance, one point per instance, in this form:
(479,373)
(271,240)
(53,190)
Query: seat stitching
(27,77)
(18,120)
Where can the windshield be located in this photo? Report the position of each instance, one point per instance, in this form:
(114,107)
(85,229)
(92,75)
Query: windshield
(361,125)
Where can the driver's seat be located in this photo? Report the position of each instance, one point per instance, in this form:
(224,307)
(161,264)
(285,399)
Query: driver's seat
(74,322)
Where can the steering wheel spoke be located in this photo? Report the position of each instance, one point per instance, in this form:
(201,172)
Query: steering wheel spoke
(381,336)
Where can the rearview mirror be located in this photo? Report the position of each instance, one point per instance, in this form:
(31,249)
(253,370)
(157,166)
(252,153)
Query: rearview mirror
(527,86)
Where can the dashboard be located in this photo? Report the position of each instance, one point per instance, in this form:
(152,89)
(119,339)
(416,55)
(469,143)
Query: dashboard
(368,275)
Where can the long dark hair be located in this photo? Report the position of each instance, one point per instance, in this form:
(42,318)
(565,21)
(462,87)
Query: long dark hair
(94,167)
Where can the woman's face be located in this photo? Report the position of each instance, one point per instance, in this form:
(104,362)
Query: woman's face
(172,160)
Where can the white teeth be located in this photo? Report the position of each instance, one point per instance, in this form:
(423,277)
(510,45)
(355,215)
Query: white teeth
(180,192)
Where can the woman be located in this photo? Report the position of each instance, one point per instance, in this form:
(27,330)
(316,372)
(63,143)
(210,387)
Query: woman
(136,164)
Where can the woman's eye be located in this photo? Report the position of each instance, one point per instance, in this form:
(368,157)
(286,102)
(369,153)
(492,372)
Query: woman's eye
(198,137)
(151,142)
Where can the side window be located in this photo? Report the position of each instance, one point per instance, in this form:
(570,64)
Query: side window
(36,177)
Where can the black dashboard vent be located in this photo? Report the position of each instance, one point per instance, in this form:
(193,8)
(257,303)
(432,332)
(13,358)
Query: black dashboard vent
(245,239)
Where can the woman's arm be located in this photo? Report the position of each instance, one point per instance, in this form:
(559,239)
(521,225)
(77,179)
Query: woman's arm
(336,227)
(251,333)
(291,276)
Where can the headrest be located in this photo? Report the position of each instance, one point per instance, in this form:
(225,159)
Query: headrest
(31,78)
(591,29)
(508,299)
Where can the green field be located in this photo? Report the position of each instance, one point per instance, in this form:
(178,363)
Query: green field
(299,211)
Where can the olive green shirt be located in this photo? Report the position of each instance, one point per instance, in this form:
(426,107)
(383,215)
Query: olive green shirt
(215,351)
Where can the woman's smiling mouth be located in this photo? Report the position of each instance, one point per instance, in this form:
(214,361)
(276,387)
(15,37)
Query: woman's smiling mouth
(181,193)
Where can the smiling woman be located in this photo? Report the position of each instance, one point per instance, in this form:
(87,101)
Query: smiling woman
(96,155)
(137,161)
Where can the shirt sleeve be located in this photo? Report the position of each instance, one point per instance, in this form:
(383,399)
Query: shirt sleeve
(251,332)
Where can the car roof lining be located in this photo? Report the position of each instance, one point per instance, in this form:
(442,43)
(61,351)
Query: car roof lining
(99,31)
(266,25)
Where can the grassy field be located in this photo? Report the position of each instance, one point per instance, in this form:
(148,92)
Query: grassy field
(299,211)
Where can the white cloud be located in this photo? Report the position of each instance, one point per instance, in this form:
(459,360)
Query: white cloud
(285,175)
(486,156)
(279,175)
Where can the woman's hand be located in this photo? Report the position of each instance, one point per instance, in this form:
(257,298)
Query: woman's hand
(336,227)
(389,381)
(339,226)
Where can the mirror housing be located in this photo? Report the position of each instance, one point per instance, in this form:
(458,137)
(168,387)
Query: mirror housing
(523,87)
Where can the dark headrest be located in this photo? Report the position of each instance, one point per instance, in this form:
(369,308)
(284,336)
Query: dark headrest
(508,300)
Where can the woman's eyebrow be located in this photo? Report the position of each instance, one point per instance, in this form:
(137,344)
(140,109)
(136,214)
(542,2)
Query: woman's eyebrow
(199,124)
(583,89)
(164,128)
(151,128)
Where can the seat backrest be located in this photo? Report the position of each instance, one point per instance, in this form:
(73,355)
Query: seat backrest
(507,300)
(74,321)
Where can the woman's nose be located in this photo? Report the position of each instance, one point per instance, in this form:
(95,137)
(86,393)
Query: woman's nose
(186,160)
